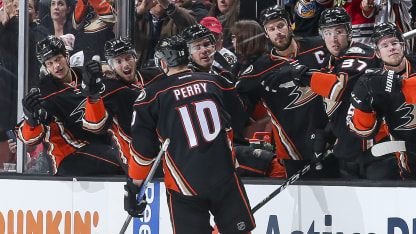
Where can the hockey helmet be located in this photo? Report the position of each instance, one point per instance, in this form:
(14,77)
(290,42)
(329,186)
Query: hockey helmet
(272,13)
(335,16)
(197,32)
(118,46)
(385,29)
(173,50)
(49,47)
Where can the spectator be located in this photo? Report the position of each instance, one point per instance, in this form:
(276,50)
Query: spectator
(93,21)
(199,171)
(371,93)
(154,21)
(201,45)
(227,12)
(306,17)
(207,3)
(59,21)
(292,134)
(53,116)
(214,25)
(250,43)
(199,9)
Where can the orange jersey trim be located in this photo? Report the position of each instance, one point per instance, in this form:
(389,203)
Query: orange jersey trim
(408,89)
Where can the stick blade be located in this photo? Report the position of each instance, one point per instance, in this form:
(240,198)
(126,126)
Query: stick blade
(388,147)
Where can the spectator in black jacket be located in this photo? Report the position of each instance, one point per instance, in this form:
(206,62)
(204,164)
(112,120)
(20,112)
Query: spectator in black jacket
(196,7)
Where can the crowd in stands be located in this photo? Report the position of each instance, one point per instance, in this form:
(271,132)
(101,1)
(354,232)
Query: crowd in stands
(250,43)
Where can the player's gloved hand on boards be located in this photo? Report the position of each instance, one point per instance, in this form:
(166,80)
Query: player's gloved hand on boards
(131,205)
(382,81)
(361,97)
(91,80)
(274,78)
(32,107)
(300,76)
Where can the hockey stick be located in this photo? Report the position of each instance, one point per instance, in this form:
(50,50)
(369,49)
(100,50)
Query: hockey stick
(146,181)
(291,180)
(388,147)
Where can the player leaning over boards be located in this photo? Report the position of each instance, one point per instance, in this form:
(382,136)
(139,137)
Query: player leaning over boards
(197,112)
(295,112)
(112,110)
(347,63)
(53,114)
(388,95)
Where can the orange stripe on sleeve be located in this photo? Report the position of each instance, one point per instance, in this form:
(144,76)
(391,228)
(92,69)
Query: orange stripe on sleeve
(363,120)
(322,83)
(94,112)
(409,90)
(79,11)
(102,7)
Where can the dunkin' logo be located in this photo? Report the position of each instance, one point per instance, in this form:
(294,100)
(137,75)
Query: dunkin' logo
(49,222)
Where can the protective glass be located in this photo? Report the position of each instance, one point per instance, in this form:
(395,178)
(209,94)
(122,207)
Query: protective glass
(336,33)
(394,44)
(205,45)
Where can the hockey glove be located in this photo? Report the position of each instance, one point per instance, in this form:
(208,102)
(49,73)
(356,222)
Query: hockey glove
(361,97)
(273,79)
(131,205)
(32,107)
(382,81)
(91,80)
(300,76)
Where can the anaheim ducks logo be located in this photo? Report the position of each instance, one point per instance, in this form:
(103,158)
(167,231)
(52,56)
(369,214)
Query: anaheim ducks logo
(302,95)
(410,116)
(305,8)
(79,110)
(142,95)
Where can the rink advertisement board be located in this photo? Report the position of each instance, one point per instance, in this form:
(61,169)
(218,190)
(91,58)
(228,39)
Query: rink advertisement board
(91,207)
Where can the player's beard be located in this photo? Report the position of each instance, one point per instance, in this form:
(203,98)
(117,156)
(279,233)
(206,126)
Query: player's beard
(395,65)
(287,44)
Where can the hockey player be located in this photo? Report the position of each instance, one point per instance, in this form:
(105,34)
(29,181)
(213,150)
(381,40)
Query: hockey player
(112,110)
(295,112)
(196,111)
(53,114)
(346,64)
(386,95)
(202,50)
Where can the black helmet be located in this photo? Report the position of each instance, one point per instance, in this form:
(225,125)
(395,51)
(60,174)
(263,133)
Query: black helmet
(272,13)
(49,47)
(196,32)
(173,50)
(335,16)
(116,47)
(385,29)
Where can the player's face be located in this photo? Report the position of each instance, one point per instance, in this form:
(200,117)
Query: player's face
(125,67)
(390,50)
(279,33)
(202,53)
(336,39)
(59,68)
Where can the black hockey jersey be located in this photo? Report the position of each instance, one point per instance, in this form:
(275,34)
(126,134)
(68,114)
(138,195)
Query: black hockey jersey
(295,112)
(63,131)
(113,112)
(336,87)
(196,111)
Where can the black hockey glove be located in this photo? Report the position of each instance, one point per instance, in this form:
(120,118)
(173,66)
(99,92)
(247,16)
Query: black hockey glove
(361,97)
(91,79)
(274,78)
(131,205)
(32,107)
(300,76)
(382,81)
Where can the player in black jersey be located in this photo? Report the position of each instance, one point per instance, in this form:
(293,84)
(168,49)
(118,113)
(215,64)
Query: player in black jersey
(53,114)
(201,43)
(347,63)
(197,112)
(111,111)
(295,112)
(382,98)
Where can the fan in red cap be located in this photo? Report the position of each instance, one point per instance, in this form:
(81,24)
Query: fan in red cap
(214,25)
